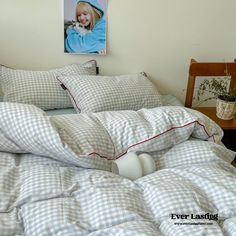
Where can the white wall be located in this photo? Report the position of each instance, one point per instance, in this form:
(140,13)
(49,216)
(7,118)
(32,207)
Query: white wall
(155,36)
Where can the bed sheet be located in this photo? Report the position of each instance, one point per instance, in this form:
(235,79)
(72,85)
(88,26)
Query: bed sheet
(55,176)
(167,100)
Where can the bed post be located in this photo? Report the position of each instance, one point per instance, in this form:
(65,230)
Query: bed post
(190,87)
(233,81)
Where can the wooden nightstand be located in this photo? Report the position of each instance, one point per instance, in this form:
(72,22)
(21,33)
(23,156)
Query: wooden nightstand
(229,126)
(214,69)
(234,163)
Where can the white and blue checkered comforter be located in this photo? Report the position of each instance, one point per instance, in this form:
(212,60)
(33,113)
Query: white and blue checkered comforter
(55,174)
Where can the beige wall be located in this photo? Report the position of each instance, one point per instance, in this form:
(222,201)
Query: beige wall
(156,36)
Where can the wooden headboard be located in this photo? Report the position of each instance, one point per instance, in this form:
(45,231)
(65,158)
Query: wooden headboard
(208,69)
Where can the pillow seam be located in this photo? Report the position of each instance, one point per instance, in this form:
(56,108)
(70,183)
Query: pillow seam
(69,93)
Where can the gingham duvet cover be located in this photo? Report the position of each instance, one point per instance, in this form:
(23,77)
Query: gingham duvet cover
(55,174)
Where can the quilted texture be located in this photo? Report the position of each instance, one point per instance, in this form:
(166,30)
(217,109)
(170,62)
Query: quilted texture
(26,128)
(111,93)
(45,188)
(40,88)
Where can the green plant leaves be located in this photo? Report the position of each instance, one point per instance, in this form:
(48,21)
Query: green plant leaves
(218,87)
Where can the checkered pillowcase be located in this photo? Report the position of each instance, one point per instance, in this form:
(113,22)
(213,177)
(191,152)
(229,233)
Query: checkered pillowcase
(111,93)
(40,88)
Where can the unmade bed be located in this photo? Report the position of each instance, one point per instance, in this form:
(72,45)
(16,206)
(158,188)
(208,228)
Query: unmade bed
(56,178)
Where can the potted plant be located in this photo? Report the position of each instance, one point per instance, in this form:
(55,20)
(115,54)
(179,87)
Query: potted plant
(225,99)
(226,105)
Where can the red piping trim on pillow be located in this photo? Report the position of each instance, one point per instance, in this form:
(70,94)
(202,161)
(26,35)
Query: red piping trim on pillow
(156,136)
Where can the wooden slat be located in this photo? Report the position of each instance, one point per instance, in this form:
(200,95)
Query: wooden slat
(212,69)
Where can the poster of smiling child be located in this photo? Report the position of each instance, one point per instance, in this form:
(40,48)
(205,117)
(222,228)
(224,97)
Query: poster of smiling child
(85,26)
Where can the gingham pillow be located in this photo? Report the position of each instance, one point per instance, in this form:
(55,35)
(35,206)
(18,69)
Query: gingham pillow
(106,93)
(40,88)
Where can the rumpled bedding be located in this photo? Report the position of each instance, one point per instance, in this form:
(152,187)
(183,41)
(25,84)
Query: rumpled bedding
(55,174)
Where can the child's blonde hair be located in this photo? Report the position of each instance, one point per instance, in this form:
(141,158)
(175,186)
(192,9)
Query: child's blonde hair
(95,14)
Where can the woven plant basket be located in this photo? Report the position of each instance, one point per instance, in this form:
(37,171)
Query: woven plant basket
(225,110)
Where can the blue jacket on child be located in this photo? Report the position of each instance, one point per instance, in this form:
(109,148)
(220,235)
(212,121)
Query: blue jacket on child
(93,41)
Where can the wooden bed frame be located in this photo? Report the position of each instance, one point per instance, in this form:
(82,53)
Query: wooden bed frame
(208,69)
